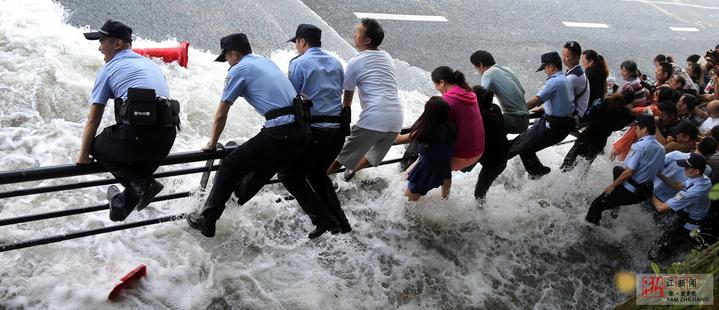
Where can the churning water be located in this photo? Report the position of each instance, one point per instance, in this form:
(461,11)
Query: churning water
(527,247)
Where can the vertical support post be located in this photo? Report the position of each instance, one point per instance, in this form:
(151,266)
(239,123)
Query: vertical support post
(208,166)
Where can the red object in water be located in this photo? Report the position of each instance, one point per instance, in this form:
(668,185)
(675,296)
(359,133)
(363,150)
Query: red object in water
(168,54)
(128,281)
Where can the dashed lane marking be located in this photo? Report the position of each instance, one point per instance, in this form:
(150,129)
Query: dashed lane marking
(421,18)
(684,29)
(585,25)
(676,3)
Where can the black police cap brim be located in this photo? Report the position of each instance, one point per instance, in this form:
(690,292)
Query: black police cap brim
(92,35)
(293,40)
(221,58)
(541,67)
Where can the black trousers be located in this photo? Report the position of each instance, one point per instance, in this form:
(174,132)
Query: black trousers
(515,123)
(673,239)
(620,196)
(537,138)
(586,146)
(132,154)
(306,179)
(249,166)
(487,175)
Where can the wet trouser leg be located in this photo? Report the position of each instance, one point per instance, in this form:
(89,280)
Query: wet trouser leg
(537,138)
(587,147)
(516,123)
(329,144)
(249,166)
(487,175)
(620,196)
(132,156)
(308,182)
(671,240)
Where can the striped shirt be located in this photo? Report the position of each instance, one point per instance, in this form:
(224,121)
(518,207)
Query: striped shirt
(641,94)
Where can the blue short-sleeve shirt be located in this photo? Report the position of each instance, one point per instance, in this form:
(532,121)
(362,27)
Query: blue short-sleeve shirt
(557,96)
(261,83)
(126,70)
(646,158)
(319,77)
(672,171)
(693,199)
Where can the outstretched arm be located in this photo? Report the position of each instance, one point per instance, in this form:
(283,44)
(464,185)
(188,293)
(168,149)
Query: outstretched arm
(218,125)
(93,122)
(628,173)
(535,101)
(658,205)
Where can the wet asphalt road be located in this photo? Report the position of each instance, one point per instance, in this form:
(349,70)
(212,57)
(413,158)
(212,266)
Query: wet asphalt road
(516,32)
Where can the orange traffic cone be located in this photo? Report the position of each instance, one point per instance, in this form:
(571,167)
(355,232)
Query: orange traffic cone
(168,54)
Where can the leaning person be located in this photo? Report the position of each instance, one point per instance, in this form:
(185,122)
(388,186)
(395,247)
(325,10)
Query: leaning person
(435,133)
(283,136)
(132,149)
(373,74)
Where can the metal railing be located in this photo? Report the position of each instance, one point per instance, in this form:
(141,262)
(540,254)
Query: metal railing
(63,171)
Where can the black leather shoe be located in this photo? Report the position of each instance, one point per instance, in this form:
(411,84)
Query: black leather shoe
(542,172)
(319,231)
(117,210)
(197,221)
(150,194)
(345,228)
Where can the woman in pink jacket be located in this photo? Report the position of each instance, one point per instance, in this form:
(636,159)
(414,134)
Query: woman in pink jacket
(464,111)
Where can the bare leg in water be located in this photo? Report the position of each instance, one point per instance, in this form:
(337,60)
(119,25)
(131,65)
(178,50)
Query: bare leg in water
(335,166)
(410,195)
(446,186)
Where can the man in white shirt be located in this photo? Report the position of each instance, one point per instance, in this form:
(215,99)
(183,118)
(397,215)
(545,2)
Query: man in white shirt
(372,72)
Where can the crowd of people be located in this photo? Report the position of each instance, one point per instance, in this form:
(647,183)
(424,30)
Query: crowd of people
(669,150)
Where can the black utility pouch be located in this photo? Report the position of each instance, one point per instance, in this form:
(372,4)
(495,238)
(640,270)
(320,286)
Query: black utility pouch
(168,112)
(302,110)
(141,108)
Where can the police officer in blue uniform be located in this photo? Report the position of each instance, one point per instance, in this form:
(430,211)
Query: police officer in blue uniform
(632,183)
(554,125)
(133,148)
(318,76)
(672,171)
(690,206)
(283,137)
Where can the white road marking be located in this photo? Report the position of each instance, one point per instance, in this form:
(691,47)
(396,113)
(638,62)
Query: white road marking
(420,18)
(676,3)
(585,25)
(684,29)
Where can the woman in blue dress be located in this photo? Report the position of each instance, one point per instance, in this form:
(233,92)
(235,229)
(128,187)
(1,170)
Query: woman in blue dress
(435,134)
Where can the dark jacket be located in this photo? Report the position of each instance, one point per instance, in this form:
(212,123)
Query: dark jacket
(597,83)
(601,122)
(497,145)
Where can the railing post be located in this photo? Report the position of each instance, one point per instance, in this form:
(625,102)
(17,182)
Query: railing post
(208,166)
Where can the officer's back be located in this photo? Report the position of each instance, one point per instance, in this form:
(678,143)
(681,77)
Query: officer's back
(319,76)
(262,84)
(128,70)
(646,158)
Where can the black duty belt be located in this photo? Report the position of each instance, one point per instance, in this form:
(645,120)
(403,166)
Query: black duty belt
(326,119)
(272,114)
(142,108)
